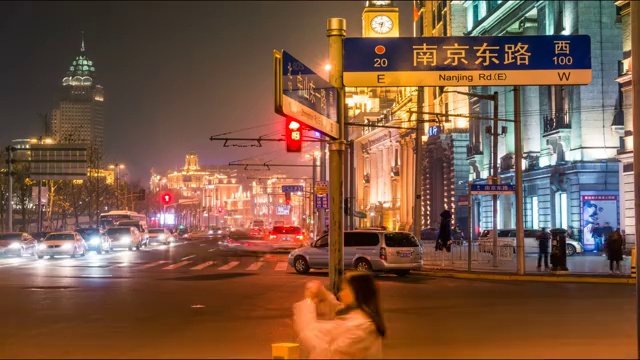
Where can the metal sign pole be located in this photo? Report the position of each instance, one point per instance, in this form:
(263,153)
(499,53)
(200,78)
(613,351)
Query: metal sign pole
(336,32)
(470,234)
(496,177)
(417,206)
(519,191)
(635,81)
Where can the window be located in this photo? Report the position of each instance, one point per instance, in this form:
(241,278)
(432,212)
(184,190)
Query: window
(398,239)
(562,217)
(534,212)
(353,239)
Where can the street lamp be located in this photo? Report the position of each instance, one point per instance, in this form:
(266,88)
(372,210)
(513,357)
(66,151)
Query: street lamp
(494,162)
(117,167)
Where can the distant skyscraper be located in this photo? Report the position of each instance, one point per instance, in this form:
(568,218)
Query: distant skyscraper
(78,116)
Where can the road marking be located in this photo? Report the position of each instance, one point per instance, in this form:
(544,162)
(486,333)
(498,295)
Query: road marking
(176,265)
(203,265)
(282,266)
(188,257)
(152,264)
(212,249)
(255,266)
(229,265)
(118,266)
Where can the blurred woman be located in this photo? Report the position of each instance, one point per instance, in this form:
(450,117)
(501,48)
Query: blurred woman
(347,329)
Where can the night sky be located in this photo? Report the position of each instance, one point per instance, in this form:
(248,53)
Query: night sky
(174,73)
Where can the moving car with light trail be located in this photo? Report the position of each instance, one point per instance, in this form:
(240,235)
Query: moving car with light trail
(395,252)
(239,242)
(66,243)
(160,236)
(124,237)
(96,241)
(17,243)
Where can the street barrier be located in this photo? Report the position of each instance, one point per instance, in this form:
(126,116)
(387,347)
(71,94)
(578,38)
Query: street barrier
(285,351)
(481,251)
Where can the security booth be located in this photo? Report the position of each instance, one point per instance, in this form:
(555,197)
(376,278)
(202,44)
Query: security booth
(558,250)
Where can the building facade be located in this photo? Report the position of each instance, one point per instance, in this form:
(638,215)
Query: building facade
(570,137)
(78,116)
(623,124)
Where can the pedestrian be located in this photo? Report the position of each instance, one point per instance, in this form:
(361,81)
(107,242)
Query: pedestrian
(351,328)
(613,247)
(444,235)
(543,238)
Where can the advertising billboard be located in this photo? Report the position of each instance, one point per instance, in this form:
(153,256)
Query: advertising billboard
(599,217)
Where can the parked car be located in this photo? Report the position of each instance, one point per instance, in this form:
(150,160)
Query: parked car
(365,250)
(17,243)
(68,243)
(286,238)
(141,228)
(530,242)
(96,241)
(429,234)
(160,235)
(124,237)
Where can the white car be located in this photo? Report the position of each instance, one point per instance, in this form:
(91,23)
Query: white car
(67,243)
(530,242)
(160,235)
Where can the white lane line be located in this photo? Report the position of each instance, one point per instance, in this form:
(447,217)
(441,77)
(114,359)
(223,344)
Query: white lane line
(203,265)
(229,265)
(188,257)
(282,266)
(152,264)
(121,265)
(255,266)
(176,265)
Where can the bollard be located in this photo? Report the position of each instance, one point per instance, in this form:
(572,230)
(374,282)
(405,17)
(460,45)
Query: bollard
(285,351)
(633,261)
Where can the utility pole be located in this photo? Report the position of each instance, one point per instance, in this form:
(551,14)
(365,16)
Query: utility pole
(519,191)
(417,205)
(352,185)
(336,32)
(312,209)
(10,150)
(323,177)
(635,90)
(496,178)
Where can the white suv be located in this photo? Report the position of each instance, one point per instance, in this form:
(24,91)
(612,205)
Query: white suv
(530,242)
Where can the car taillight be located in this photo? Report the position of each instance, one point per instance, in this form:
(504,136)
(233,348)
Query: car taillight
(272,236)
(383,253)
(299,237)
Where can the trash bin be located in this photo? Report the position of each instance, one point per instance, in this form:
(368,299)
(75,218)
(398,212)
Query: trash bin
(558,250)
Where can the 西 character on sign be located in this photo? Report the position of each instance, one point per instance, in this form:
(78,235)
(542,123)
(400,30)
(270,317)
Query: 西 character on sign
(562,46)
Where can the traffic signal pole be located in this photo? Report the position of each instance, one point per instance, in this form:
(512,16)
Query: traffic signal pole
(336,32)
(635,91)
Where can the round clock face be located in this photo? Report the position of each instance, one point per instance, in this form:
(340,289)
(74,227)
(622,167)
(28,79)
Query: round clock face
(381,24)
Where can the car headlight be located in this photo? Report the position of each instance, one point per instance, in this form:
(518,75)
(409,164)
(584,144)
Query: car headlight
(14,245)
(42,246)
(162,236)
(126,239)
(95,240)
(67,246)
(171,238)
(210,232)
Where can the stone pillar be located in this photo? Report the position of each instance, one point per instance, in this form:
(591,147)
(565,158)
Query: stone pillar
(373,176)
(531,117)
(386,189)
(403,181)
(411,179)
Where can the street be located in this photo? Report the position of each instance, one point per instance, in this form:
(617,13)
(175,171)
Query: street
(189,301)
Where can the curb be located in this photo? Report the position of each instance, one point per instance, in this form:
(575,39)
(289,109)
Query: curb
(529,278)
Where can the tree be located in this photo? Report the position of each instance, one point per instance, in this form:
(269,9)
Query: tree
(4,191)
(22,186)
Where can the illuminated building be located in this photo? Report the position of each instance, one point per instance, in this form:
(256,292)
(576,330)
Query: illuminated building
(78,116)
(271,204)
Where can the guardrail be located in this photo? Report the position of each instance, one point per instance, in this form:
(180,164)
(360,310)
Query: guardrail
(481,251)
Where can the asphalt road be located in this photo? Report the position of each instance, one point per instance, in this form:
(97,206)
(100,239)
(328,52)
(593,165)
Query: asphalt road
(190,301)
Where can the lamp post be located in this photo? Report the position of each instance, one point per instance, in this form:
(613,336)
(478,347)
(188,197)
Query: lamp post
(117,168)
(494,162)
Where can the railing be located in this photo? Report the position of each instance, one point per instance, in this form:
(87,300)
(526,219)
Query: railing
(555,122)
(481,252)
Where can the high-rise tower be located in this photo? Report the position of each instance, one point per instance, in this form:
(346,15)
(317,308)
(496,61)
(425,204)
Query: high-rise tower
(78,116)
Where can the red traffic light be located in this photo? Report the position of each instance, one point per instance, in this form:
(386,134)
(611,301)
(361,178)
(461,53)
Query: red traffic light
(220,209)
(166,198)
(294,136)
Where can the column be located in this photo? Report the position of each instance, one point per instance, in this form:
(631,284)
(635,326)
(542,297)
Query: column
(412,178)
(379,169)
(403,181)
(373,176)
(386,189)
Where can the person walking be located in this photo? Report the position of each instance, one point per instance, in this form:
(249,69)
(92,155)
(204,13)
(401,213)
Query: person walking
(614,248)
(543,238)
(444,234)
(351,328)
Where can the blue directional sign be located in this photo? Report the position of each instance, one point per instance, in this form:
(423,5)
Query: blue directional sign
(468,61)
(292,188)
(302,94)
(488,189)
(322,201)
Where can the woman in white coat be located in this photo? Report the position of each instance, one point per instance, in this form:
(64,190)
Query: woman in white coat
(349,329)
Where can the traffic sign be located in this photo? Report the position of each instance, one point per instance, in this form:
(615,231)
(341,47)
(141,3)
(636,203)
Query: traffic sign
(322,201)
(58,162)
(322,188)
(292,188)
(468,61)
(302,94)
(489,189)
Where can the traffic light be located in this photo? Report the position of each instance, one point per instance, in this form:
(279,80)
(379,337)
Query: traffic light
(287,198)
(220,209)
(294,136)
(166,198)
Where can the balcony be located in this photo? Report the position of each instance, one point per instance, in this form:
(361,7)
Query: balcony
(473,150)
(556,123)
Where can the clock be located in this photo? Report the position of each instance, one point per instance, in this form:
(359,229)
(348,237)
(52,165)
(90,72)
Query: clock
(381,3)
(381,24)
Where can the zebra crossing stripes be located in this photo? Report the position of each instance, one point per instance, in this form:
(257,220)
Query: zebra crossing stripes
(203,265)
(176,265)
(152,264)
(282,266)
(229,265)
(255,266)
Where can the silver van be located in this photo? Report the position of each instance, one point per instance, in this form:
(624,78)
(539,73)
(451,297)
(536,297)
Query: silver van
(365,250)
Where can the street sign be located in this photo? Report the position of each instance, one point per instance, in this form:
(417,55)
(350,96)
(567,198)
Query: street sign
(44,194)
(322,188)
(468,61)
(58,162)
(322,201)
(489,189)
(292,188)
(282,209)
(302,94)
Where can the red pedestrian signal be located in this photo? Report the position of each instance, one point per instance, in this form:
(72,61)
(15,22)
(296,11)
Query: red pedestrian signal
(166,198)
(220,209)
(294,136)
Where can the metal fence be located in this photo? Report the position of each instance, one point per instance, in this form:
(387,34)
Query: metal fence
(481,253)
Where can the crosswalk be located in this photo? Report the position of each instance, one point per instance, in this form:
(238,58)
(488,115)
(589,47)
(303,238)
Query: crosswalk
(160,265)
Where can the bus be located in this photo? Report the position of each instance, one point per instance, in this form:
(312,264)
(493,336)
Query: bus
(111,218)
